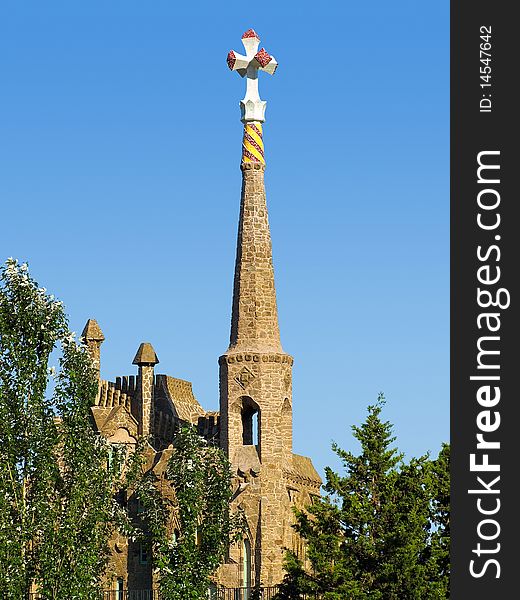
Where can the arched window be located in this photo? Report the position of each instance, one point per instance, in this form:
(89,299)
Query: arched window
(122,444)
(246,568)
(250,422)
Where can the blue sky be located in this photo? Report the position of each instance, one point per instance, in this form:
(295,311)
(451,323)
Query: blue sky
(120,185)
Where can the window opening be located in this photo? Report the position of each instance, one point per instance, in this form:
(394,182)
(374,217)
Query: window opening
(250,424)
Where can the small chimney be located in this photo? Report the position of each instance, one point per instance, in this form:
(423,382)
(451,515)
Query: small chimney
(93,337)
(146,359)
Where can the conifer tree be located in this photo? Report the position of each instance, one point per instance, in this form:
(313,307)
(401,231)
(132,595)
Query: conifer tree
(439,548)
(381,532)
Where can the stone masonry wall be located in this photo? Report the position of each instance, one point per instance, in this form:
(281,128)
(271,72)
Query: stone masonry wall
(145,384)
(255,377)
(268,386)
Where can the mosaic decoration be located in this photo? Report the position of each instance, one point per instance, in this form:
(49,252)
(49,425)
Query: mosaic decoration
(252,143)
(263,57)
(250,33)
(231,59)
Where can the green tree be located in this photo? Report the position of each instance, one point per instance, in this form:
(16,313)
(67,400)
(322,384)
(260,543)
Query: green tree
(57,484)
(438,551)
(381,532)
(200,477)
(31,323)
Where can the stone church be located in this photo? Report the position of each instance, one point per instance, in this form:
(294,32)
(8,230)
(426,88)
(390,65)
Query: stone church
(254,424)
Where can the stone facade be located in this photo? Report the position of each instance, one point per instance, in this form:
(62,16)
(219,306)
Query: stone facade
(253,425)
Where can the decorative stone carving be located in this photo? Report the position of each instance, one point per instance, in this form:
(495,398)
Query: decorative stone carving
(244,377)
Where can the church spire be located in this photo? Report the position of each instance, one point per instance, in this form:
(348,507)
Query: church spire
(254,320)
(255,373)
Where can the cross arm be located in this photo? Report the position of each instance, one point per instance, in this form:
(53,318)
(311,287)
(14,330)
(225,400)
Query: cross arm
(270,67)
(262,61)
(237,62)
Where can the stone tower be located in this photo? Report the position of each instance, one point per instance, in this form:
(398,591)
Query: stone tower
(255,372)
(254,424)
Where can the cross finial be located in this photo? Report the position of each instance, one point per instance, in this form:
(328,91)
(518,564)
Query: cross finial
(253,108)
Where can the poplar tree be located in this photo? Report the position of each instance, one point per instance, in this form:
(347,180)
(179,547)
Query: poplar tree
(59,479)
(57,484)
(200,477)
(381,532)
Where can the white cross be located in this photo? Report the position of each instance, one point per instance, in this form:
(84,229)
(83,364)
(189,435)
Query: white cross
(253,108)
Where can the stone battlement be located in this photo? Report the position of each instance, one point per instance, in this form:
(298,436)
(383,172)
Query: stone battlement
(208,427)
(114,394)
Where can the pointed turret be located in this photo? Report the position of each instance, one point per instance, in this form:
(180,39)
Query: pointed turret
(254,319)
(255,373)
(145,355)
(146,359)
(93,337)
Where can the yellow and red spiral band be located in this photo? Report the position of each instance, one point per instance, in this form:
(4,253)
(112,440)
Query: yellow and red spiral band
(252,144)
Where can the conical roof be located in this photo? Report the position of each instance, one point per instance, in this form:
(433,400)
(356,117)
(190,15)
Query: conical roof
(254,319)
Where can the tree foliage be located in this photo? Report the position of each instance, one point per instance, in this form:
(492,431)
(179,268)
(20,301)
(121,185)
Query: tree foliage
(439,548)
(60,480)
(57,484)
(382,530)
(185,558)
